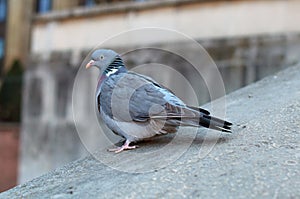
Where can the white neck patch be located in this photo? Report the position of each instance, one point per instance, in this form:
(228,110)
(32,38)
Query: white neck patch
(112,71)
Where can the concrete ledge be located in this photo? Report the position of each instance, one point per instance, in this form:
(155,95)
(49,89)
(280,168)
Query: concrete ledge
(259,160)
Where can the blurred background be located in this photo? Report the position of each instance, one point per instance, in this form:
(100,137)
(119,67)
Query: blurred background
(43,43)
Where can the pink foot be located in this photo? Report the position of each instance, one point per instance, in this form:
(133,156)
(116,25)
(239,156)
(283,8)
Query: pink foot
(122,148)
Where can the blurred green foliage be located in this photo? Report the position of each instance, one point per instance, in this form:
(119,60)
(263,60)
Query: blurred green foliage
(11,94)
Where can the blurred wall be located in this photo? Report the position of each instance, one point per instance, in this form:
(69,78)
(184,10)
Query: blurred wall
(83,28)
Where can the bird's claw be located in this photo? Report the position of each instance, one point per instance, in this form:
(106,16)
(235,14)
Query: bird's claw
(122,148)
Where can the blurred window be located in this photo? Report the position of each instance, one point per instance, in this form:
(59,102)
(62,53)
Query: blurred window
(43,6)
(89,3)
(1,48)
(86,3)
(2,10)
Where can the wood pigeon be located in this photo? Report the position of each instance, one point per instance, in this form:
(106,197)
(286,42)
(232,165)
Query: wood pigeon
(136,107)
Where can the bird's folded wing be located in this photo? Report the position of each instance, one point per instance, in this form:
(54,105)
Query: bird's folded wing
(134,97)
(140,98)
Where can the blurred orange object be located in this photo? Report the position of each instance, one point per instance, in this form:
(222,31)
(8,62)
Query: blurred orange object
(9,150)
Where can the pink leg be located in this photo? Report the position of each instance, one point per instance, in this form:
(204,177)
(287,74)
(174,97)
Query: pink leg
(122,148)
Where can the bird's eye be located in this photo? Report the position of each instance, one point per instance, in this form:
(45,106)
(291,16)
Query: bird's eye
(101,57)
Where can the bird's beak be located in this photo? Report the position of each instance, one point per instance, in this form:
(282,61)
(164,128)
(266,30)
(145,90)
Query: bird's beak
(89,64)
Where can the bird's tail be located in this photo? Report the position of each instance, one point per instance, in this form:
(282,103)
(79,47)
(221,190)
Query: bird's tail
(208,121)
(192,116)
(215,123)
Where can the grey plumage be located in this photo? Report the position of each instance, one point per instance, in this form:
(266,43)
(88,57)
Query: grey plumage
(136,107)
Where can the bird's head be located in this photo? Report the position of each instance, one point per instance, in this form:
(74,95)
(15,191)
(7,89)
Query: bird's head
(102,58)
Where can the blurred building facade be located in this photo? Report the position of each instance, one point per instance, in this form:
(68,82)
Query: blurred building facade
(15,26)
(14,50)
(248,39)
(15,21)
(197,18)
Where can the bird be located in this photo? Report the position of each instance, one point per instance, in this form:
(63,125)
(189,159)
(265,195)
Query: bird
(136,107)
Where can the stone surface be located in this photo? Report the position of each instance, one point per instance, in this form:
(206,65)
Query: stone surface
(260,159)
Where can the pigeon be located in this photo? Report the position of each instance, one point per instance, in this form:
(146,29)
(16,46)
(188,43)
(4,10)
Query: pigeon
(136,107)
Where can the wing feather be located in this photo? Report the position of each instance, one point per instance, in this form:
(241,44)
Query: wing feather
(135,97)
